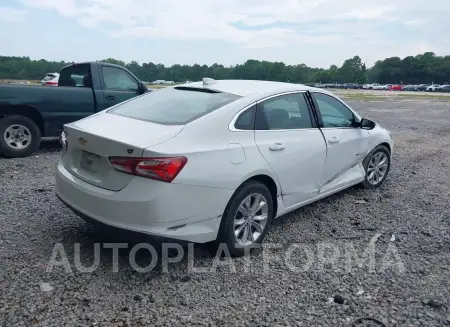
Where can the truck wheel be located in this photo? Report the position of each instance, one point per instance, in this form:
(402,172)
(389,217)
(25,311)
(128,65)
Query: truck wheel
(19,136)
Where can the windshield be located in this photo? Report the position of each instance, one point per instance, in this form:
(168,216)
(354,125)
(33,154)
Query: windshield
(173,106)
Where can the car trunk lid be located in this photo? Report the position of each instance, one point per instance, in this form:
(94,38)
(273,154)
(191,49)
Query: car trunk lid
(91,141)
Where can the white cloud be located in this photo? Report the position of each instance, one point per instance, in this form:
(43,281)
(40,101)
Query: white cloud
(375,27)
(12,15)
(214,19)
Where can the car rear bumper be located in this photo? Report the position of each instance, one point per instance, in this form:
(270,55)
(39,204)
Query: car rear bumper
(169,210)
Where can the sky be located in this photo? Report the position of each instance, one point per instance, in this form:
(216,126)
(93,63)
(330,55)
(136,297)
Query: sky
(318,33)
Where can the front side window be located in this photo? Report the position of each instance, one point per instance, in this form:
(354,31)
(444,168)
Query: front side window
(334,113)
(289,111)
(172,106)
(118,79)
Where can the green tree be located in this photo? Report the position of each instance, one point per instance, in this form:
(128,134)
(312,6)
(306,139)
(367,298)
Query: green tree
(422,68)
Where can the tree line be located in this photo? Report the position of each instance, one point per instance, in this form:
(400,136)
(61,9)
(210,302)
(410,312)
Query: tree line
(422,68)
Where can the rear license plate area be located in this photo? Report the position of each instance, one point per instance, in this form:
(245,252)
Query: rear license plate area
(89,161)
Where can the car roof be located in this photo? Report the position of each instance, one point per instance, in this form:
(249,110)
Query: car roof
(245,88)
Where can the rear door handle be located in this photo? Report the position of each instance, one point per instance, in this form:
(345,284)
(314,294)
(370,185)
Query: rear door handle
(334,140)
(110,97)
(277,147)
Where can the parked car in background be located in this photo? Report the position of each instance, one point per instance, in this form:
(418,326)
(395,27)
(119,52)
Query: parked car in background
(378,87)
(371,86)
(410,88)
(397,87)
(422,87)
(50,79)
(444,88)
(144,169)
(350,86)
(387,87)
(18,82)
(29,113)
(433,87)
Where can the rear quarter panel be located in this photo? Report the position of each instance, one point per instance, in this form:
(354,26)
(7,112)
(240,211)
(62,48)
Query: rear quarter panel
(212,162)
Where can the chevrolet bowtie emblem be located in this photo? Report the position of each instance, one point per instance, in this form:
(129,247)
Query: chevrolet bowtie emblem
(83,141)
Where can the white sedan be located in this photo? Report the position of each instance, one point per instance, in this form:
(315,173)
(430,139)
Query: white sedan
(217,160)
(379,87)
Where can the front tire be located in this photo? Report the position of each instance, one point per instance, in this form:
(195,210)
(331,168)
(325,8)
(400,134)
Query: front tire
(19,136)
(247,218)
(376,165)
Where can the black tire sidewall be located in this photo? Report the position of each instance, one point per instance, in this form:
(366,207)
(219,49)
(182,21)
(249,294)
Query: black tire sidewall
(380,148)
(226,232)
(7,121)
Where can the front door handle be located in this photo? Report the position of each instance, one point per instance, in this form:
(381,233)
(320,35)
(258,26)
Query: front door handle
(110,97)
(277,147)
(333,140)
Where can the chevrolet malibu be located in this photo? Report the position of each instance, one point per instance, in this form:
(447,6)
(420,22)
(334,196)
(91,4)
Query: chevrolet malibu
(217,160)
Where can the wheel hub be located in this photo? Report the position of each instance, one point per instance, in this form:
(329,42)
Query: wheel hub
(250,219)
(17,137)
(377,168)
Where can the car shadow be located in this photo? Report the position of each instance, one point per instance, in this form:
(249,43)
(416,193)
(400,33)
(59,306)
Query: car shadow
(94,237)
(100,240)
(49,145)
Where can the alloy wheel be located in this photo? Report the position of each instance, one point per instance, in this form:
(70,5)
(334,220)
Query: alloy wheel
(250,219)
(377,168)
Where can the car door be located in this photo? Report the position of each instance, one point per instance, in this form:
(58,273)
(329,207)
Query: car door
(347,144)
(118,85)
(291,143)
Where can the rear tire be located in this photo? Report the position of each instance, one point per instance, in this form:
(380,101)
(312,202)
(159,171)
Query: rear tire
(255,197)
(376,165)
(19,136)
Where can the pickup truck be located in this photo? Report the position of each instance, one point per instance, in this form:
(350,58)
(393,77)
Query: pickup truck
(28,113)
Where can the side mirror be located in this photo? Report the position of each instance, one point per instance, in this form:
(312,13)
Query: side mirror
(367,124)
(142,88)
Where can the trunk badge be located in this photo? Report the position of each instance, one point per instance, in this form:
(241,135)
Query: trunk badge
(83,141)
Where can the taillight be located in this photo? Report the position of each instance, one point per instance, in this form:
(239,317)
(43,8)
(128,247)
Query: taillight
(163,169)
(63,141)
(51,83)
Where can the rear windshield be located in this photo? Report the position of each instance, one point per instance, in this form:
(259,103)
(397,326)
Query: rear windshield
(173,106)
(78,75)
(49,77)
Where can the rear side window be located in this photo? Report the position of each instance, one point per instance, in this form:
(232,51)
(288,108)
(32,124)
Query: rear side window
(76,75)
(246,120)
(173,106)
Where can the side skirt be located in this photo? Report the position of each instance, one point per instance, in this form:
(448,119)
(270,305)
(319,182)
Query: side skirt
(282,210)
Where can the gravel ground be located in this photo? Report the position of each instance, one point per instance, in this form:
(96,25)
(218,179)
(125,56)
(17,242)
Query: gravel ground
(409,286)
